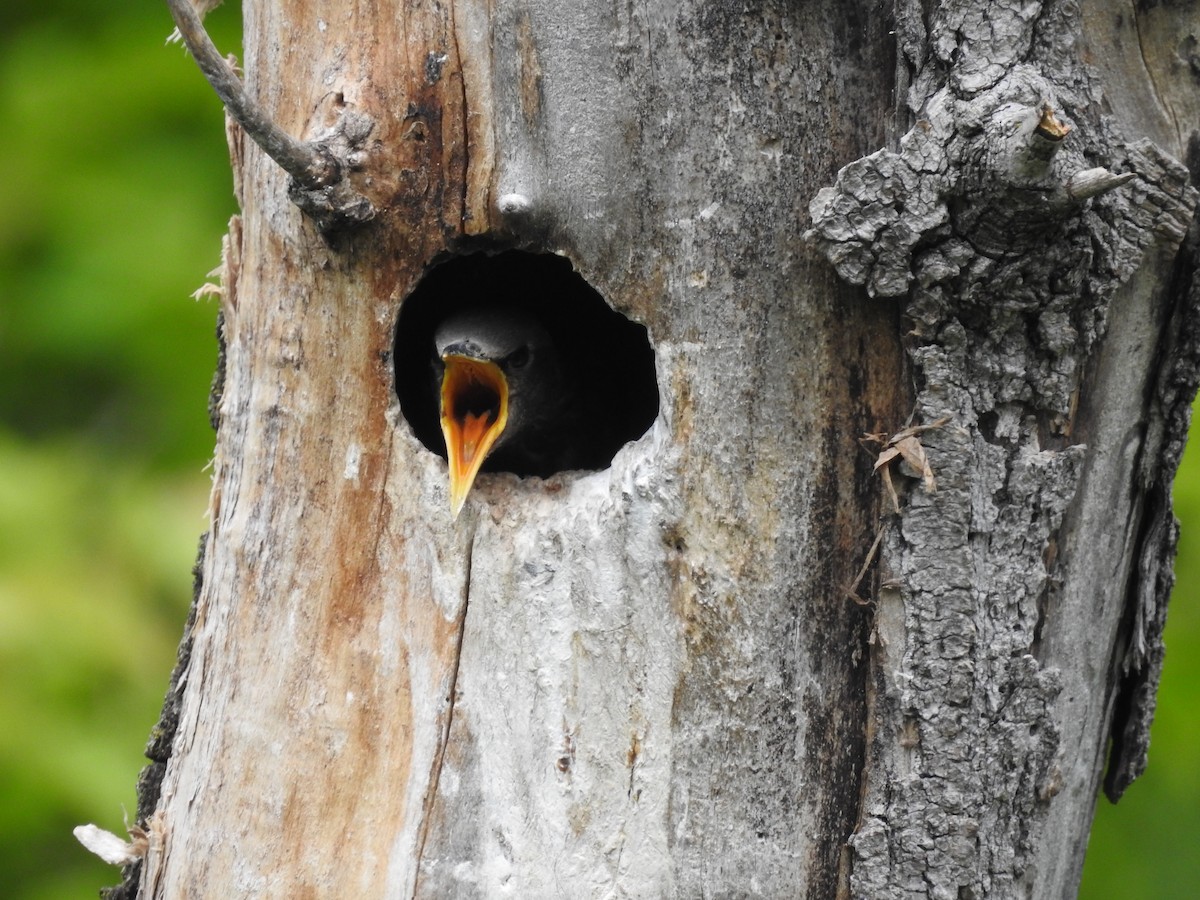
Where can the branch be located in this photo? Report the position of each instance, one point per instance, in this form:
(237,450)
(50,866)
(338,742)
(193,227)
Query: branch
(203,8)
(1094,182)
(319,188)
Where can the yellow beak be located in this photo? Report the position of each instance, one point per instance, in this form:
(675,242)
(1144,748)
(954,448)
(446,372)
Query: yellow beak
(474,413)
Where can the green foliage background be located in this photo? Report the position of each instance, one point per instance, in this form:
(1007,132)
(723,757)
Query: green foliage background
(115,194)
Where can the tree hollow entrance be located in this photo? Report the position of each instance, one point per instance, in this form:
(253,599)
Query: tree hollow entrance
(604,360)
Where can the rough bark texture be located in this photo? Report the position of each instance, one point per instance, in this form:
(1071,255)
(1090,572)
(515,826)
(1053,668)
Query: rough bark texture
(1022,604)
(648,681)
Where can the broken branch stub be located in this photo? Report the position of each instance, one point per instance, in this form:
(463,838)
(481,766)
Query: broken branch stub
(998,169)
(319,168)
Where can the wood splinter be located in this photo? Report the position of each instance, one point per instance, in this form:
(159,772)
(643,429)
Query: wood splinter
(319,186)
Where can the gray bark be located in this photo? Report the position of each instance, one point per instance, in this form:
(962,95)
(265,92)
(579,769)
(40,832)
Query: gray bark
(651,680)
(1021,614)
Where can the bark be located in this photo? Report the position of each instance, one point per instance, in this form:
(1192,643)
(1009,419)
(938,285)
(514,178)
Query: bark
(1021,613)
(650,680)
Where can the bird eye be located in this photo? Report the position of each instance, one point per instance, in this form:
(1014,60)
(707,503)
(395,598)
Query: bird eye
(518,358)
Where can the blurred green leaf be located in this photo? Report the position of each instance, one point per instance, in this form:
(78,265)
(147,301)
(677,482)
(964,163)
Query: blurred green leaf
(116,194)
(124,191)
(94,585)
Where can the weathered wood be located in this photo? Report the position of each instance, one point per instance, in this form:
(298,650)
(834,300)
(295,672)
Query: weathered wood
(649,680)
(641,681)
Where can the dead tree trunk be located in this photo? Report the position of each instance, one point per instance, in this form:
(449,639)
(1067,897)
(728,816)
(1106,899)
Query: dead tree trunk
(653,680)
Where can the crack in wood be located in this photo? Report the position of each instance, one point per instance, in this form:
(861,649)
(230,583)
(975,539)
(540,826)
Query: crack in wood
(465,174)
(440,756)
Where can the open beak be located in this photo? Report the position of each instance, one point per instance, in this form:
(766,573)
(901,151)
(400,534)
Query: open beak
(474,413)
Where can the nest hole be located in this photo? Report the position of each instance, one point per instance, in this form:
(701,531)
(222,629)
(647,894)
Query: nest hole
(606,361)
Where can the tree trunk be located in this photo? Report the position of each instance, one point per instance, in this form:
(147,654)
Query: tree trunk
(654,680)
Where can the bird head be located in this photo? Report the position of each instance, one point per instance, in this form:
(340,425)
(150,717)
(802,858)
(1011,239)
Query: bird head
(496,364)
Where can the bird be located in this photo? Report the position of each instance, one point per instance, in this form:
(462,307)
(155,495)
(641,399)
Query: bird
(504,398)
